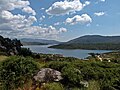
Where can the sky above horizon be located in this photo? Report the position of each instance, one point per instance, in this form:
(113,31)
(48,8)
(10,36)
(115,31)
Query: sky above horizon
(60,20)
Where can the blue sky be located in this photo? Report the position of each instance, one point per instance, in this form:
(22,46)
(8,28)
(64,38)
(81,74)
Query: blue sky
(59,19)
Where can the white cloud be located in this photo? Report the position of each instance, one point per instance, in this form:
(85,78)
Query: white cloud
(44,31)
(12,4)
(18,21)
(84,18)
(29,10)
(62,30)
(41,18)
(20,4)
(57,23)
(102,0)
(23,25)
(31,20)
(66,7)
(86,3)
(99,13)
(6,15)
(42,8)
(88,25)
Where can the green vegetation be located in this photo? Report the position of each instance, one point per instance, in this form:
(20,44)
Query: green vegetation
(90,46)
(77,74)
(105,73)
(9,47)
(99,72)
(25,52)
(53,86)
(15,72)
(92,42)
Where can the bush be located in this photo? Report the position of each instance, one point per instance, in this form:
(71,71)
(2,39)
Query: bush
(53,86)
(57,65)
(108,88)
(72,76)
(17,71)
(25,52)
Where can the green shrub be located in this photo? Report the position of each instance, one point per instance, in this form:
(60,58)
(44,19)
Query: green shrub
(25,52)
(72,76)
(17,71)
(57,65)
(53,86)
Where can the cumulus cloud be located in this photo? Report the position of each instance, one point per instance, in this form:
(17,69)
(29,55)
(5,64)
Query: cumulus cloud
(19,4)
(84,18)
(12,4)
(18,21)
(66,7)
(29,10)
(22,25)
(62,30)
(44,31)
(99,13)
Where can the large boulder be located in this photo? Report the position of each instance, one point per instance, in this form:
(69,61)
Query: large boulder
(47,75)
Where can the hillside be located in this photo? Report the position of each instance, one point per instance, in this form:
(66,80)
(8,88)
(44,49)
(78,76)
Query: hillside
(93,42)
(25,70)
(10,47)
(95,39)
(28,41)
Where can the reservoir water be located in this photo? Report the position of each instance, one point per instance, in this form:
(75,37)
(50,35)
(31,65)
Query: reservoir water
(78,53)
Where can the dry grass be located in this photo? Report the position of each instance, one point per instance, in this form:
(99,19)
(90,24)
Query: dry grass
(93,85)
(3,57)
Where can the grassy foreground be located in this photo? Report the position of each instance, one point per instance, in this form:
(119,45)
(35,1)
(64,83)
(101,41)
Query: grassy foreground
(17,72)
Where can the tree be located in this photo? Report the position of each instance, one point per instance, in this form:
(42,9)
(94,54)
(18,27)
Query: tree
(25,52)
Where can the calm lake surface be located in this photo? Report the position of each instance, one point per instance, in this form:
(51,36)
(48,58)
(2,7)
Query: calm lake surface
(68,53)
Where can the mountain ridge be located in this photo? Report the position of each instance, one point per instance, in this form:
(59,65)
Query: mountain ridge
(95,39)
(38,41)
(91,42)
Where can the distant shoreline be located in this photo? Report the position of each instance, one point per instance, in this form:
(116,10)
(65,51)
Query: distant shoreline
(34,43)
(78,53)
(91,46)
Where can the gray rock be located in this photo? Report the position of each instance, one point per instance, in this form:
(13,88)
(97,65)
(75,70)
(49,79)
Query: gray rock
(84,83)
(47,75)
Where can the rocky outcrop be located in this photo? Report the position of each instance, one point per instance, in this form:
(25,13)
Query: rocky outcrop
(44,76)
(11,47)
(48,75)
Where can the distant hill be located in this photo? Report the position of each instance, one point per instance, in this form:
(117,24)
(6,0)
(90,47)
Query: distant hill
(28,41)
(95,42)
(96,39)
